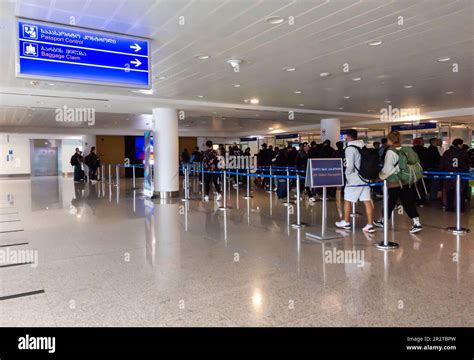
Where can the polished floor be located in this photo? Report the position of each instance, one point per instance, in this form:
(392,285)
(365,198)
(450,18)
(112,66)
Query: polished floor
(111,258)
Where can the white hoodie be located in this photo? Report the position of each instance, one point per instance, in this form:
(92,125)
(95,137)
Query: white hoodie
(353,162)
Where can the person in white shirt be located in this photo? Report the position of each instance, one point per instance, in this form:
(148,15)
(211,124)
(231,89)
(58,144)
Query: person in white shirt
(352,194)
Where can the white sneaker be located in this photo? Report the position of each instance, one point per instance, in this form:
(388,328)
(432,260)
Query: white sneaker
(312,199)
(206,198)
(343,225)
(218,197)
(368,229)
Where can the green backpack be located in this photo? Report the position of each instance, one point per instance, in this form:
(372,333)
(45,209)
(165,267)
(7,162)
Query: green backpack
(409,164)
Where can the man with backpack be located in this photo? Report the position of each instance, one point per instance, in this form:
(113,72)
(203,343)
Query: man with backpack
(93,162)
(360,163)
(402,170)
(76,162)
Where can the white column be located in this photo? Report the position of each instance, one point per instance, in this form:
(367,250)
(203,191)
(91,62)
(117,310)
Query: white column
(166,152)
(331,130)
(87,142)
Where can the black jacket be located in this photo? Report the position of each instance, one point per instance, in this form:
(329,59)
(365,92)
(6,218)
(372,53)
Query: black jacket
(433,157)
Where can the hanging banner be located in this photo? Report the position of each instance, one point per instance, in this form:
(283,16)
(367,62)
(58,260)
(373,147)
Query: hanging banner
(147,174)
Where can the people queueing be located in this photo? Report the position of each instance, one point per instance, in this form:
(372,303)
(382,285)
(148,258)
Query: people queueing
(433,162)
(93,162)
(76,162)
(210,162)
(356,187)
(399,165)
(455,159)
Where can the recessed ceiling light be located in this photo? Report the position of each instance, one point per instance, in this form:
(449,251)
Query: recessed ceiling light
(236,85)
(388,101)
(301,104)
(202,57)
(374,42)
(162,78)
(341,108)
(289,69)
(449,92)
(51,84)
(200,96)
(433,121)
(408,86)
(270,128)
(275,20)
(347,97)
(381,76)
(254,101)
(324,74)
(297,92)
(356,79)
(444,58)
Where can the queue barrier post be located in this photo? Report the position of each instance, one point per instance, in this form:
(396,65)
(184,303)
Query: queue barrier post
(186,180)
(133,176)
(298,224)
(224,206)
(102,173)
(110,173)
(270,190)
(248,196)
(117,175)
(288,202)
(202,181)
(385,244)
(354,212)
(458,230)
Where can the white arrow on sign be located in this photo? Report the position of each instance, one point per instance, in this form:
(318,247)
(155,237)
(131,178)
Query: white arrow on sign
(136,62)
(136,47)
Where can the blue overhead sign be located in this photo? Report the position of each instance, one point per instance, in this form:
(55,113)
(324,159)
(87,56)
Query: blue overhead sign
(65,53)
(421,126)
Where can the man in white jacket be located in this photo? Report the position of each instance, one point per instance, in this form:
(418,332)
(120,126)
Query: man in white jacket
(352,193)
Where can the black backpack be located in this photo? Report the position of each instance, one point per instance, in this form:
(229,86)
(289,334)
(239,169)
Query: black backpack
(74,161)
(369,163)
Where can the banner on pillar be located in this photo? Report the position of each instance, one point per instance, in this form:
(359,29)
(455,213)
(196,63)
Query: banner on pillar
(147,174)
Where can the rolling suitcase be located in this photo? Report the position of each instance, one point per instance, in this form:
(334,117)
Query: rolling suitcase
(281,189)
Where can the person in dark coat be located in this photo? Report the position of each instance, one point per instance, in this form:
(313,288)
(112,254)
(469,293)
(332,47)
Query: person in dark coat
(326,150)
(454,160)
(433,159)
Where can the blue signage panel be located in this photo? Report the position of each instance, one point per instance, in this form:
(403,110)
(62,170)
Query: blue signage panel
(406,127)
(286,136)
(324,173)
(248,139)
(65,53)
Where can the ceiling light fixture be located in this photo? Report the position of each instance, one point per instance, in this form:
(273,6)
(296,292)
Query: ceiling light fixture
(270,128)
(444,58)
(236,85)
(301,104)
(297,92)
(388,101)
(341,108)
(162,78)
(449,92)
(275,20)
(202,57)
(408,86)
(200,96)
(254,101)
(289,69)
(356,79)
(347,97)
(324,74)
(375,42)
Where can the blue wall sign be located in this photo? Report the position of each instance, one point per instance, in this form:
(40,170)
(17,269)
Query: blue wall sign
(421,126)
(248,139)
(286,136)
(64,53)
(324,173)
